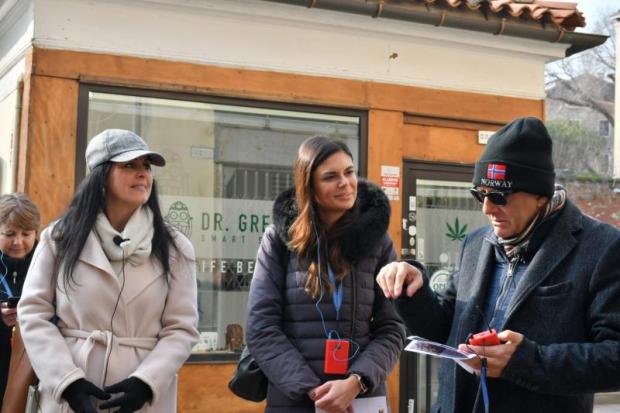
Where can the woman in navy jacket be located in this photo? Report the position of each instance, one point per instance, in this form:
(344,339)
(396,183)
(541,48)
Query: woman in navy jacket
(19,225)
(327,244)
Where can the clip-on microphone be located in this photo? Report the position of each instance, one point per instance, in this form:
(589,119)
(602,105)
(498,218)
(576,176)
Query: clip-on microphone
(484,338)
(120,241)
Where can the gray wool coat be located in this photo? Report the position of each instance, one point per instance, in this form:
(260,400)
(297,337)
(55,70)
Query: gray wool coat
(567,305)
(284,330)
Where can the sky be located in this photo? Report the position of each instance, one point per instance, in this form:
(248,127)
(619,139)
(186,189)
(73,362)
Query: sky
(594,9)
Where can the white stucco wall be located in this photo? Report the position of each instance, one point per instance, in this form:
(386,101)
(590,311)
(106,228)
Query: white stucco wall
(262,35)
(16,33)
(10,99)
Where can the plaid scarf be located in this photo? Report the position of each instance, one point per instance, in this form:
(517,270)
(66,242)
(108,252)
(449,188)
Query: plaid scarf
(515,245)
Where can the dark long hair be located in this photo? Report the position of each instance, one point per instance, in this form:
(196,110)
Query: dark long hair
(303,232)
(72,229)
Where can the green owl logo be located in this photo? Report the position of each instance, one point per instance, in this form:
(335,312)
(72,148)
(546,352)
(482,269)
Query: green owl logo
(178,216)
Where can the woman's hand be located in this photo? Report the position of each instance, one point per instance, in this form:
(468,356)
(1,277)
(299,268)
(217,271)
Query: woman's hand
(395,276)
(78,394)
(9,315)
(135,394)
(336,396)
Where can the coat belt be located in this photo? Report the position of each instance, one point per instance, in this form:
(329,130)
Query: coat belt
(109,340)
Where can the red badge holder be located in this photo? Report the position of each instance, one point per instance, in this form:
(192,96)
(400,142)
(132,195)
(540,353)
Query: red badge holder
(336,356)
(485,338)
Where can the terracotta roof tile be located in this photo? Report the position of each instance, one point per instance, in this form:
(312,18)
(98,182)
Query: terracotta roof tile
(564,14)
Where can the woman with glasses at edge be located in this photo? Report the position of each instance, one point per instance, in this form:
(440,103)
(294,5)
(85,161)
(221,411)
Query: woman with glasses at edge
(19,225)
(314,282)
(121,284)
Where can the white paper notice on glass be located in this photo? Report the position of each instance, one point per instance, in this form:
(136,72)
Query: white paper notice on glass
(366,405)
(432,348)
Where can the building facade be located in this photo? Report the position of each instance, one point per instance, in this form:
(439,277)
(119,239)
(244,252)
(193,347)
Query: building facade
(227,89)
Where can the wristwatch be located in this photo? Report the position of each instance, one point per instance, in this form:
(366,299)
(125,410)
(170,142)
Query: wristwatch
(360,380)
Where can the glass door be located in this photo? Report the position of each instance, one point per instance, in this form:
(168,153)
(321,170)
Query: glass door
(438,212)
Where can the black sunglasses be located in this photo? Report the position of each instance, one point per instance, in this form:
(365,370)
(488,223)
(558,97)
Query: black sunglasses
(496,197)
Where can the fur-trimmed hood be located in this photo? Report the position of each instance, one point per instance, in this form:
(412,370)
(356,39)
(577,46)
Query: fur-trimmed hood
(360,237)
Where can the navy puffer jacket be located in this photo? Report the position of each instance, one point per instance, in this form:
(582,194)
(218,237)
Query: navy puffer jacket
(284,329)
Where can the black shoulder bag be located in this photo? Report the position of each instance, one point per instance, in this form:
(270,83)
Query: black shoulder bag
(249,382)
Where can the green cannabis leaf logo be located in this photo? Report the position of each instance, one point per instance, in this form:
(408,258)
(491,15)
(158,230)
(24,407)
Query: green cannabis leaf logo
(456,233)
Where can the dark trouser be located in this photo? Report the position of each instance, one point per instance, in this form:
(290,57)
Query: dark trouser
(5,359)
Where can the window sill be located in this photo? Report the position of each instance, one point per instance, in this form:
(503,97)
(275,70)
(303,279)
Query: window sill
(214,357)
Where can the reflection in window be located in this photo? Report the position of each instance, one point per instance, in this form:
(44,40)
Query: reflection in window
(225,165)
(256,182)
(604,128)
(446,212)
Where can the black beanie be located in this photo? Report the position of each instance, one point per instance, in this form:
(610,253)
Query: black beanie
(518,158)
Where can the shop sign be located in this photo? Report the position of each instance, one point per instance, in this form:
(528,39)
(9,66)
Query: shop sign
(219,227)
(390,181)
(484,136)
(439,281)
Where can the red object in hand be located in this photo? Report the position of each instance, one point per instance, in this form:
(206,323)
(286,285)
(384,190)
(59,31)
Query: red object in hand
(336,356)
(485,338)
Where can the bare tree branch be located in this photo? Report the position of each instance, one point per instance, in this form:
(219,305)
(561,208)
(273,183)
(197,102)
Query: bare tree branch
(587,103)
(587,81)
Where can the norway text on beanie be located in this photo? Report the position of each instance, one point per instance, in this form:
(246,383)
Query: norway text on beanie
(518,158)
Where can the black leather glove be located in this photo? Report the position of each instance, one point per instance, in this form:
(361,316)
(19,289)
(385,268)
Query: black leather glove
(136,394)
(78,393)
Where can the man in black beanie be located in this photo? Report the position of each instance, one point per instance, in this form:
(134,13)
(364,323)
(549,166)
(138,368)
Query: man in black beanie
(518,158)
(543,275)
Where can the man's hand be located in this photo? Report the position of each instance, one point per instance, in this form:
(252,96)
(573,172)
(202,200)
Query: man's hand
(398,275)
(336,396)
(497,356)
(9,315)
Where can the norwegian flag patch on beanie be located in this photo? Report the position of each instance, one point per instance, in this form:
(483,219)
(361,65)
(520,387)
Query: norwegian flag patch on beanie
(496,171)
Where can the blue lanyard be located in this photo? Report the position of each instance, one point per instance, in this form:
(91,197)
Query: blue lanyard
(338,293)
(5,284)
(483,385)
(6,287)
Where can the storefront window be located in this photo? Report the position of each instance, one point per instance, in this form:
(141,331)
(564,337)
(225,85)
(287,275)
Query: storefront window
(225,165)
(446,213)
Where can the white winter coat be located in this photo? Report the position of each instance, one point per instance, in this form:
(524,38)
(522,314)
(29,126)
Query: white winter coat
(154,327)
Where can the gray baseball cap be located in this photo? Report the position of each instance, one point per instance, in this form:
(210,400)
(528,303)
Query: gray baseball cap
(118,145)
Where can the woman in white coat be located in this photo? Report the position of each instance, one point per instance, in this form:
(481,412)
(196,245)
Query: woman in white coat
(108,310)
